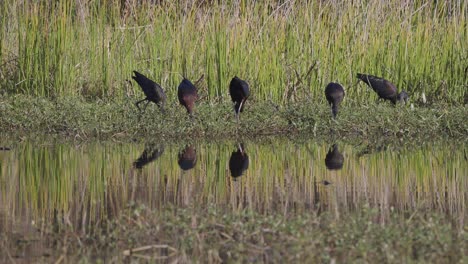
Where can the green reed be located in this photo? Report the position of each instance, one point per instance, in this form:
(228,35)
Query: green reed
(286,50)
(95,181)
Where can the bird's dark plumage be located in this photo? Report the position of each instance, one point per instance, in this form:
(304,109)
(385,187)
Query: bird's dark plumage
(187,94)
(150,154)
(403,97)
(153,91)
(334,93)
(187,158)
(334,159)
(239,91)
(385,89)
(239,162)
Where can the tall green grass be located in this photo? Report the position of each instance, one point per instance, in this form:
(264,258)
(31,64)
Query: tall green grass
(287,50)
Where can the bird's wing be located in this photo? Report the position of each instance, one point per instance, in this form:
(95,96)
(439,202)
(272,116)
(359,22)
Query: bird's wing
(389,91)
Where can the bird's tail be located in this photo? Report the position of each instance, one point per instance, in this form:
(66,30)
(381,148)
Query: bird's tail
(137,75)
(363,77)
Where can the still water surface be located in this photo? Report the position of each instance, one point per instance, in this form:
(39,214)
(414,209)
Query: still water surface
(97,180)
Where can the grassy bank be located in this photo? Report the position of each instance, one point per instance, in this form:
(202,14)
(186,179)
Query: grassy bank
(287,50)
(214,236)
(73,117)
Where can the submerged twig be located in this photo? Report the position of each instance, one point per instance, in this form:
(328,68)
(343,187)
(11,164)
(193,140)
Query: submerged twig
(129,252)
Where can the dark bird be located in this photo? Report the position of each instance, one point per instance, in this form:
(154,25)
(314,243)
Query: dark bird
(334,159)
(153,91)
(325,182)
(335,94)
(187,93)
(150,154)
(385,89)
(239,162)
(187,158)
(403,97)
(373,148)
(239,91)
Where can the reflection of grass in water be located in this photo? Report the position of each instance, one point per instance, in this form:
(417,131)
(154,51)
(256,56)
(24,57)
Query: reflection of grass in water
(94,181)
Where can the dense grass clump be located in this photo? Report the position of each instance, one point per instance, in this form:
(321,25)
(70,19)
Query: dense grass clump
(219,236)
(103,119)
(287,50)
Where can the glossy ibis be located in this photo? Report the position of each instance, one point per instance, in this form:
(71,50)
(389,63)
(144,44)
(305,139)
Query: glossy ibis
(334,159)
(239,91)
(403,97)
(150,154)
(335,94)
(187,94)
(187,158)
(153,91)
(385,89)
(372,149)
(325,182)
(239,162)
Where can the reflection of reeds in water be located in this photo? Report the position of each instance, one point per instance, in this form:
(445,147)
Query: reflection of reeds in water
(96,181)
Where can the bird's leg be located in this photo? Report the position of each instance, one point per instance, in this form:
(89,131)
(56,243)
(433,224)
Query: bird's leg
(137,103)
(146,105)
(163,111)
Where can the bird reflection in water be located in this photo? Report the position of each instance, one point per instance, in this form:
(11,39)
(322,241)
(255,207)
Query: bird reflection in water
(239,161)
(150,154)
(334,159)
(187,158)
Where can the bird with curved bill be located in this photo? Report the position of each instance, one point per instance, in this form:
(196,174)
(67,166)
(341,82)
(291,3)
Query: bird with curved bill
(187,158)
(187,94)
(334,93)
(150,154)
(153,91)
(334,159)
(239,162)
(239,91)
(384,88)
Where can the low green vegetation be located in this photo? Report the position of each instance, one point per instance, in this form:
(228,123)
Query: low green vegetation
(287,50)
(65,66)
(65,71)
(120,120)
(216,235)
